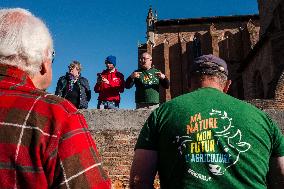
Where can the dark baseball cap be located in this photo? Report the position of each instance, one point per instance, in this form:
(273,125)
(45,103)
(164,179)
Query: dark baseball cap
(209,64)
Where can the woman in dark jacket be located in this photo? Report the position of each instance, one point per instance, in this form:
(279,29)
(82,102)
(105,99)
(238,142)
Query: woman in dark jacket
(73,87)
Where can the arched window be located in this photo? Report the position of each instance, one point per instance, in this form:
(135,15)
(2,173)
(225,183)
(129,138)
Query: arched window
(228,44)
(196,46)
(258,86)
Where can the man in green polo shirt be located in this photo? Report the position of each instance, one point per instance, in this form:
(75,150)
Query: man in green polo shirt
(147,80)
(207,139)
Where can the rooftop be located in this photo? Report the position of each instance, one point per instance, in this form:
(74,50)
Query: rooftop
(203,20)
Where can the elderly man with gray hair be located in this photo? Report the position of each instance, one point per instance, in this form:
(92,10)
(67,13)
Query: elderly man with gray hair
(44,141)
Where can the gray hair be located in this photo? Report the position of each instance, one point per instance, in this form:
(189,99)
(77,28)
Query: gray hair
(218,77)
(25,41)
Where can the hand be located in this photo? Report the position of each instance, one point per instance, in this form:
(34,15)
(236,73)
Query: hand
(135,75)
(99,79)
(104,80)
(160,75)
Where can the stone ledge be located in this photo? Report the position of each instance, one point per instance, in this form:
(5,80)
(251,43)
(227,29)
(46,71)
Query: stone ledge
(100,120)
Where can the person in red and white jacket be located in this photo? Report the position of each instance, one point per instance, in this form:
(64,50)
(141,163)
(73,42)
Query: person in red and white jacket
(110,83)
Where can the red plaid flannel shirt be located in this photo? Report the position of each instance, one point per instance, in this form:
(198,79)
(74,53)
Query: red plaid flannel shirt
(44,140)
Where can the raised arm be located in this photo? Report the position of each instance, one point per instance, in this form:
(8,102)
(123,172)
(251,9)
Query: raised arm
(165,83)
(117,84)
(276,173)
(122,84)
(129,82)
(97,87)
(86,85)
(143,169)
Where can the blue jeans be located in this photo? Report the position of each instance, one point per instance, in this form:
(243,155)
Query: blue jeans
(107,105)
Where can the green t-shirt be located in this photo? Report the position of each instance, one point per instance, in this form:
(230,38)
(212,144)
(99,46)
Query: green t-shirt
(207,139)
(147,86)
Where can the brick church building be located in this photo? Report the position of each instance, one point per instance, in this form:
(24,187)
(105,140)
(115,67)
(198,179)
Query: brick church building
(252,46)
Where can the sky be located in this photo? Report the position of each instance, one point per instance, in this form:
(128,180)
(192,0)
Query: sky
(90,30)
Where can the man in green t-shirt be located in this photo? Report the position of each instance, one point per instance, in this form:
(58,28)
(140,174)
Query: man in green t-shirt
(147,80)
(207,139)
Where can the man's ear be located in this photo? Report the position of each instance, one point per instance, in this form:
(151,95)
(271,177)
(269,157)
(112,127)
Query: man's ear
(43,68)
(227,86)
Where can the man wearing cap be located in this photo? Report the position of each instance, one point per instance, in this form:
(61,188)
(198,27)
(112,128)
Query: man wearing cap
(147,80)
(110,83)
(208,139)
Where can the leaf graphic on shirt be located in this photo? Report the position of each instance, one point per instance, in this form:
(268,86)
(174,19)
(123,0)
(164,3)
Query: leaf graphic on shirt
(236,142)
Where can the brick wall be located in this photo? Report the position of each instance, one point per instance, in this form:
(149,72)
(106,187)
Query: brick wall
(266,9)
(263,73)
(230,38)
(115,133)
(259,74)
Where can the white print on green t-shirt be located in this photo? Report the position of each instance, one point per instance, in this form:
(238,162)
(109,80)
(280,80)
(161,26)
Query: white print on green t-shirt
(219,149)
(149,79)
(198,175)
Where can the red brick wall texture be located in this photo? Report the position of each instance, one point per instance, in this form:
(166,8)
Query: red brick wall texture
(255,61)
(177,42)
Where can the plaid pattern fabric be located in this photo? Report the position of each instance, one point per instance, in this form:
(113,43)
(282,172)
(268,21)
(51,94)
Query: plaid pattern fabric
(44,140)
